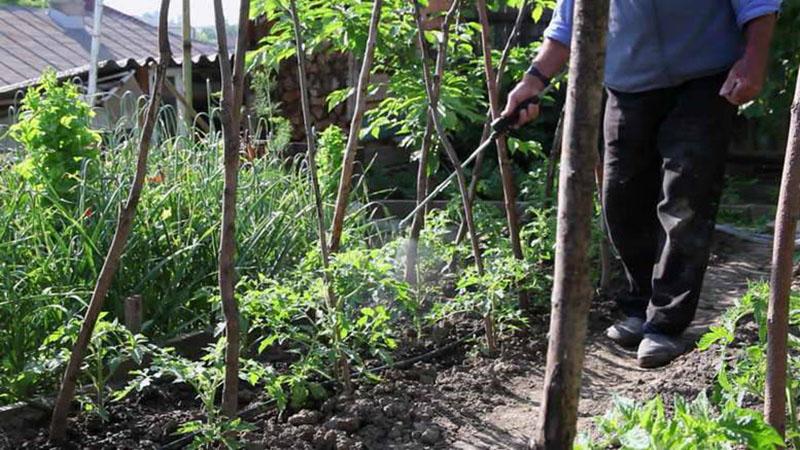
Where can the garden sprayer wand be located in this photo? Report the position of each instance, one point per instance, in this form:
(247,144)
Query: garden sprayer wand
(499,127)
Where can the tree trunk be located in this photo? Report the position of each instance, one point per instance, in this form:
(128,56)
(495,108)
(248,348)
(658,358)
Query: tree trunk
(346,179)
(58,423)
(572,291)
(503,160)
(781,277)
(427,140)
(232,100)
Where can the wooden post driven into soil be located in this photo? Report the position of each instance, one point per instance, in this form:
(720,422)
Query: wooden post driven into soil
(231,114)
(58,423)
(503,160)
(311,157)
(501,69)
(344,368)
(427,140)
(346,179)
(781,277)
(451,153)
(572,292)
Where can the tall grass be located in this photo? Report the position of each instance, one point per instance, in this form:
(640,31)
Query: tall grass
(51,251)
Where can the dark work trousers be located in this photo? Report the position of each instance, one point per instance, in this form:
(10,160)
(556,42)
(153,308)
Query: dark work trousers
(664,162)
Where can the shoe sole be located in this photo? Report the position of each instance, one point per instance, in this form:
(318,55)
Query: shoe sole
(625,341)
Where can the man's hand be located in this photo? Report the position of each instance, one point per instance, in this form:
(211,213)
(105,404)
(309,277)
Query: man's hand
(745,80)
(525,89)
(746,77)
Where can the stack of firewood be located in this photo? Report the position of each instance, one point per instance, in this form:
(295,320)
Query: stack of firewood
(327,72)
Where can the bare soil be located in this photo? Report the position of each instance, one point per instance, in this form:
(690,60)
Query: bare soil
(460,400)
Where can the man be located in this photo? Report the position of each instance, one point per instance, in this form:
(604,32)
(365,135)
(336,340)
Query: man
(675,72)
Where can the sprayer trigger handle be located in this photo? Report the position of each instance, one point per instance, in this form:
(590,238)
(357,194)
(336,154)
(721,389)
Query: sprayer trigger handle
(503,123)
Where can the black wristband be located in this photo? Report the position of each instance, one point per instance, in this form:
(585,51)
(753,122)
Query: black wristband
(534,72)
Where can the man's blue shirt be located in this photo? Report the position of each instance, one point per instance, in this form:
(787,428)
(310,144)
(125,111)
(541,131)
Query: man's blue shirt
(660,43)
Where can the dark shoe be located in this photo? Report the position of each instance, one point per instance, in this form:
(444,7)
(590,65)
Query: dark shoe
(658,350)
(626,333)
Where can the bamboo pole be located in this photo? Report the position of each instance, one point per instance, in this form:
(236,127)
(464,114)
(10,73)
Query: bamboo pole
(572,292)
(781,277)
(232,100)
(451,154)
(127,213)
(503,160)
(422,170)
(346,179)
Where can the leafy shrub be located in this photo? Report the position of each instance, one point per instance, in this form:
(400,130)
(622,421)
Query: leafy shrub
(330,156)
(54,127)
(691,425)
(742,371)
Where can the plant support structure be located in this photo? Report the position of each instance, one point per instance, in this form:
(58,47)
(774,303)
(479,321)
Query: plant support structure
(58,422)
(427,141)
(346,179)
(503,160)
(231,111)
(572,292)
(459,171)
(781,277)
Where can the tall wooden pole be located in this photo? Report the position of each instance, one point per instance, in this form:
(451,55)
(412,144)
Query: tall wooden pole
(58,422)
(572,291)
(188,90)
(343,369)
(345,180)
(503,160)
(453,156)
(427,142)
(231,114)
(781,277)
(501,69)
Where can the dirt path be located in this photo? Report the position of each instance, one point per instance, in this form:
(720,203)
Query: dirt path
(610,370)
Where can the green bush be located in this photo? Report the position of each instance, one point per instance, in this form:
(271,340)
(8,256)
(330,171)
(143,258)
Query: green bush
(54,128)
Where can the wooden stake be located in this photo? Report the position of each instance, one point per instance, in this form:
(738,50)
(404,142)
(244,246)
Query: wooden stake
(346,179)
(605,243)
(503,160)
(232,100)
(451,154)
(572,291)
(427,140)
(133,313)
(308,120)
(501,69)
(781,277)
(553,159)
(58,423)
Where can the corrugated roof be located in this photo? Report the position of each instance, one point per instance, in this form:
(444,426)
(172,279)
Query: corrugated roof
(30,42)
